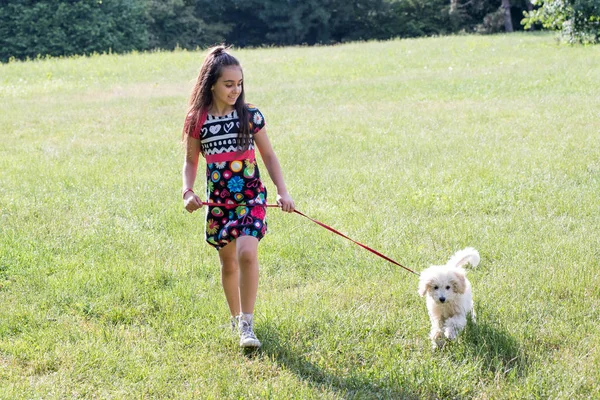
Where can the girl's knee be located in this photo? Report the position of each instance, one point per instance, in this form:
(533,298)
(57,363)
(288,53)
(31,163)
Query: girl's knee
(229,262)
(247,251)
(247,256)
(229,267)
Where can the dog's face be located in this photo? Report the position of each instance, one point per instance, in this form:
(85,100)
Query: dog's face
(442,284)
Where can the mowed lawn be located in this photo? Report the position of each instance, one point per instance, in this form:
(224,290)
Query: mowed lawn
(417,148)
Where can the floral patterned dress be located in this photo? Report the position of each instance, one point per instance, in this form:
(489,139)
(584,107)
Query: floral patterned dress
(232,179)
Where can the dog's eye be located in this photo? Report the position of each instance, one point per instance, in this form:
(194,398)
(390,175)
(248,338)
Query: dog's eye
(436,287)
(447,287)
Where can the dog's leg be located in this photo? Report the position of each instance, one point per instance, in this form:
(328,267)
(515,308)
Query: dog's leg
(437,334)
(454,325)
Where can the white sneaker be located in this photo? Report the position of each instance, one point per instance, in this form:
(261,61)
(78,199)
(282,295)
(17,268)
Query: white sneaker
(247,337)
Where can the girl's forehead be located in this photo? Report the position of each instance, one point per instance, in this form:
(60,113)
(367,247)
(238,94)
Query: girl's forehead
(233,73)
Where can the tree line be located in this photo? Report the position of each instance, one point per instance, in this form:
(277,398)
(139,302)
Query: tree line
(33,28)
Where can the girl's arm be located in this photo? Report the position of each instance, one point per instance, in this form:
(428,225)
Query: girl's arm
(274,168)
(190,168)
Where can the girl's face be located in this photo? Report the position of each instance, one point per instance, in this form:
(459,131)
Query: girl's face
(228,87)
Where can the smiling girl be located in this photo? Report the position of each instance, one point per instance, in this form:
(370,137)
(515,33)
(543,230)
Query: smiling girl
(222,127)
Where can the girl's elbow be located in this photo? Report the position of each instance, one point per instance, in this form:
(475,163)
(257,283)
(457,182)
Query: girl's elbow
(190,165)
(271,163)
(268,156)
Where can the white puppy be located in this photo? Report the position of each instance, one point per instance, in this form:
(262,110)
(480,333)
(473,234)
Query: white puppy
(449,298)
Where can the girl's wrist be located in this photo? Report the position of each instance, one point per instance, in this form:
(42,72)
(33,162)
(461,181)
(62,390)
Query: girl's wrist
(186,191)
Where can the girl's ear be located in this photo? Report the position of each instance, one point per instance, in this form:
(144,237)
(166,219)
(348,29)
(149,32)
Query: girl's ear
(459,283)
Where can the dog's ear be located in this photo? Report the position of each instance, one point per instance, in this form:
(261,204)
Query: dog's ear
(424,284)
(459,283)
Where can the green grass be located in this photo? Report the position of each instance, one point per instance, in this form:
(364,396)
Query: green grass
(415,147)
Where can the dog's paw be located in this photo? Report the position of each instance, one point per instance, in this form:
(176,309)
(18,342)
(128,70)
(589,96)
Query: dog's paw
(473,317)
(437,339)
(438,344)
(436,334)
(450,333)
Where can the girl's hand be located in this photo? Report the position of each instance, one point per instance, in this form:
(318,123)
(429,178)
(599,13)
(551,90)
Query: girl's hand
(191,202)
(286,202)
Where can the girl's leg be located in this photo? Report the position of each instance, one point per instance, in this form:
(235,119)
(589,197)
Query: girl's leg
(247,257)
(230,277)
(239,274)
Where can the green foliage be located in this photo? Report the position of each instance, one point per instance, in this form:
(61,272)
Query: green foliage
(67,27)
(61,28)
(362,20)
(183,23)
(331,21)
(29,29)
(415,18)
(389,19)
(311,21)
(578,20)
(465,15)
(257,22)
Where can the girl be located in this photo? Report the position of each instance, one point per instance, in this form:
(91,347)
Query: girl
(225,130)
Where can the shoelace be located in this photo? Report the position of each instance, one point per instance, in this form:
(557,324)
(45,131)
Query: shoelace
(247,331)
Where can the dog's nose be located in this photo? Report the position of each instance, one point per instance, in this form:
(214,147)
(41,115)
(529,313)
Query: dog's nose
(442,299)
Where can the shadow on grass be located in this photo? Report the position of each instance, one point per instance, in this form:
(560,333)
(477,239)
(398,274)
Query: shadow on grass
(347,385)
(496,349)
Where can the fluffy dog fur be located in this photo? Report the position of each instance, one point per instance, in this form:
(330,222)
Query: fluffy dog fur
(449,296)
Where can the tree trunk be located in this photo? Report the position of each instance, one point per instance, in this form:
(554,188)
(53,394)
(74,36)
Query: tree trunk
(507,17)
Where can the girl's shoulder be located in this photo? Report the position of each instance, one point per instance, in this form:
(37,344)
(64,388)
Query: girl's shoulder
(253,111)
(251,107)
(255,118)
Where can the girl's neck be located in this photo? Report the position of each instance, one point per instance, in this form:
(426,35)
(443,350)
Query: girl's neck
(219,110)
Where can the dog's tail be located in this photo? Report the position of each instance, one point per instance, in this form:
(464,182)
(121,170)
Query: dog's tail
(463,257)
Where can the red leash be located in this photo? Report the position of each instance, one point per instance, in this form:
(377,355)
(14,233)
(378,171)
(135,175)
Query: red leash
(318,223)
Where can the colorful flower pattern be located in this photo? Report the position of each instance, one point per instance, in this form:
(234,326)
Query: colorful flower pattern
(236,184)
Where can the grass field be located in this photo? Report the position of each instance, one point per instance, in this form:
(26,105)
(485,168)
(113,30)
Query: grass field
(417,148)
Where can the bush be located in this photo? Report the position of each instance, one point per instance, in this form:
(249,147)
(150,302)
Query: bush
(578,20)
(182,23)
(29,28)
